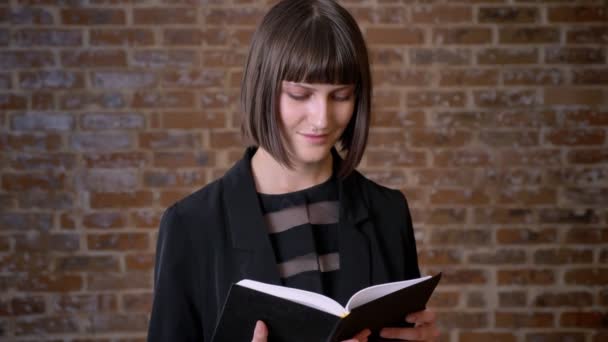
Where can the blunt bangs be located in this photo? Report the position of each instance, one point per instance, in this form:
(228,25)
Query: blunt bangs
(320,54)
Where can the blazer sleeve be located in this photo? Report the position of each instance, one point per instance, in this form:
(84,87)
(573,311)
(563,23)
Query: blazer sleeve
(174,311)
(412,269)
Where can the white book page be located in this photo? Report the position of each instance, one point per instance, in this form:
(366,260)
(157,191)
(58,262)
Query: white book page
(371,293)
(310,299)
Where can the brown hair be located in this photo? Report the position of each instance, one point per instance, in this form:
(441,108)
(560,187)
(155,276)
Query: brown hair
(312,41)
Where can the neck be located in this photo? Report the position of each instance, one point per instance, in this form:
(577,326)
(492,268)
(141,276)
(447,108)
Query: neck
(271,177)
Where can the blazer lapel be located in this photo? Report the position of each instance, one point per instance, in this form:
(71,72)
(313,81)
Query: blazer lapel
(246,222)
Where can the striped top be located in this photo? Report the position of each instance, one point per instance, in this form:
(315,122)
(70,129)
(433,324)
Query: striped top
(303,231)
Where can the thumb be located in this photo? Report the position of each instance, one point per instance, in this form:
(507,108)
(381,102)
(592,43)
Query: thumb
(260,334)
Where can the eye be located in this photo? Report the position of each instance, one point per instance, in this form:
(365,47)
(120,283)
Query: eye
(298,97)
(342,97)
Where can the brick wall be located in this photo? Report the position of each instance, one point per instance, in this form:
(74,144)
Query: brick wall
(491,115)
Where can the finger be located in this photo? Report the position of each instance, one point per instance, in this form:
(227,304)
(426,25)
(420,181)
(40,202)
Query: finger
(260,333)
(422,333)
(360,337)
(421,317)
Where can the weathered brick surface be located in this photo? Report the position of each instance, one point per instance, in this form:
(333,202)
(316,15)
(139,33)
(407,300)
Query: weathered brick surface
(491,116)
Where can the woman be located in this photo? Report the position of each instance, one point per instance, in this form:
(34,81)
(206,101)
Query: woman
(291,211)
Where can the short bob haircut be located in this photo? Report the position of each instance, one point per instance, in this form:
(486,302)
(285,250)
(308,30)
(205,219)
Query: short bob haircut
(311,41)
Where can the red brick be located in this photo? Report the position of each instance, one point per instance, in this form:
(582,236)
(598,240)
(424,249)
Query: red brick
(444,299)
(462,35)
(459,197)
(45,325)
(225,139)
(577,14)
(177,178)
(21,182)
(460,237)
(48,161)
(486,336)
(164,16)
(524,77)
(58,242)
(12,102)
(509,138)
(118,241)
(460,158)
(500,56)
(590,76)
(92,16)
(441,14)
(512,299)
(183,37)
(587,319)
(439,257)
(556,337)
(27,305)
(476,300)
(576,137)
(186,159)
(145,218)
(84,303)
(586,235)
(190,120)
(50,283)
(115,159)
(51,80)
(526,236)
(169,197)
(564,299)
(223,58)
(134,199)
(387,158)
(588,156)
(538,157)
(165,99)
(528,196)
(575,55)
(506,98)
(139,262)
(563,256)
(455,276)
(121,37)
(94,58)
(567,215)
(400,36)
(169,140)
(498,257)
(163,59)
(24,262)
(525,277)
(50,37)
(524,320)
(194,78)
(468,77)
(391,77)
(379,15)
(119,281)
(440,56)
(234,16)
(587,277)
(446,216)
(87,263)
(137,302)
(508,15)
(587,35)
(130,322)
(451,99)
(529,35)
(18,59)
(452,320)
(443,177)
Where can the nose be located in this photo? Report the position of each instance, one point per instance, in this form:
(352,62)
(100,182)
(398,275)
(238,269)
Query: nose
(319,116)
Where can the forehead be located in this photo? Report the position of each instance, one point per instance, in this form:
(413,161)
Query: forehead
(316,86)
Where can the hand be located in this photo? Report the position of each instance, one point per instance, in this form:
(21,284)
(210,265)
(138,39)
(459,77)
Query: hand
(260,333)
(360,337)
(425,328)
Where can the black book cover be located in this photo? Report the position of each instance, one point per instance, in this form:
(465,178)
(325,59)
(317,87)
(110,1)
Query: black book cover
(294,322)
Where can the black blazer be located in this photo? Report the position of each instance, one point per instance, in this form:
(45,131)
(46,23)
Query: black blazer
(217,236)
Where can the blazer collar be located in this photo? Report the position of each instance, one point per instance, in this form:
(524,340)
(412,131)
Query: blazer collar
(248,230)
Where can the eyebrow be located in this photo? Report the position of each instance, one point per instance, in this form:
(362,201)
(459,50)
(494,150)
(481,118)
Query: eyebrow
(313,89)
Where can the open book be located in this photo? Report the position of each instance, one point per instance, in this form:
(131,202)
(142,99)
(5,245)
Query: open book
(297,315)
